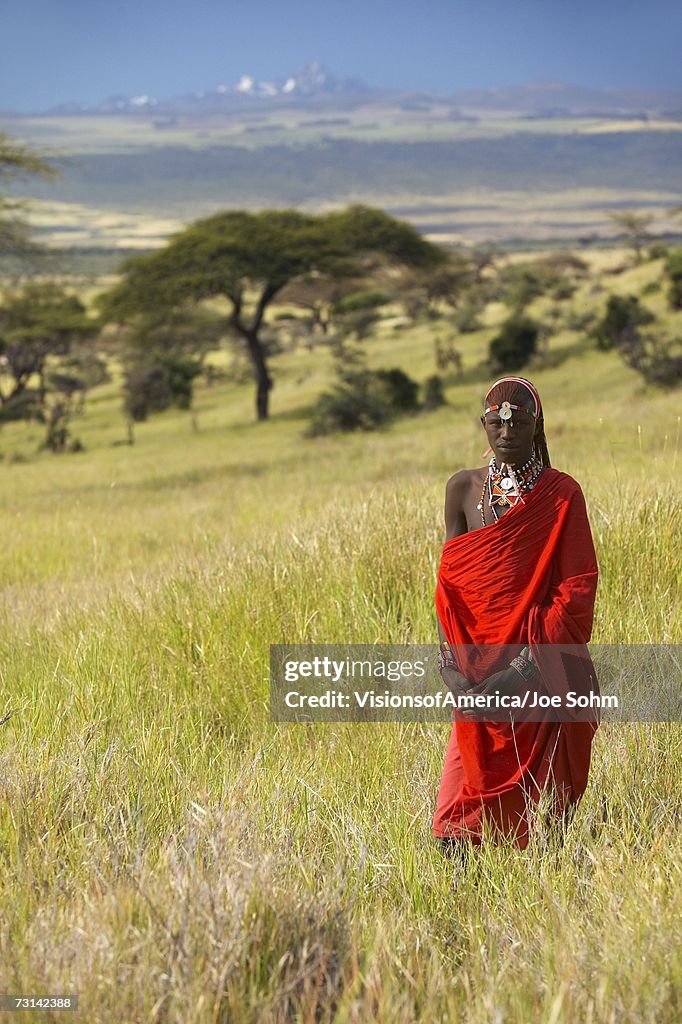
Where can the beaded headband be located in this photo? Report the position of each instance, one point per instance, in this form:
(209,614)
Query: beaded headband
(505,408)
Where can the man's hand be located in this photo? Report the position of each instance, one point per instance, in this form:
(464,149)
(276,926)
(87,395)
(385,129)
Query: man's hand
(455,681)
(508,681)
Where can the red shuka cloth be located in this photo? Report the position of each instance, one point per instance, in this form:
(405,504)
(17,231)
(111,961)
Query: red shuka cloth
(529,578)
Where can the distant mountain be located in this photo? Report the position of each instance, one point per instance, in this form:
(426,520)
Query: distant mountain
(312,81)
(313,86)
(559,99)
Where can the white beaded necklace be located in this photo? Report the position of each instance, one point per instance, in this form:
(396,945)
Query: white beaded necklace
(506,485)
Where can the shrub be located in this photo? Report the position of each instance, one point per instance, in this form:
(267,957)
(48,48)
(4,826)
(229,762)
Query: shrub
(357,402)
(157,385)
(146,389)
(673,269)
(434,396)
(181,373)
(515,344)
(402,390)
(656,356)
(363,400)
(623,316)
(658,251)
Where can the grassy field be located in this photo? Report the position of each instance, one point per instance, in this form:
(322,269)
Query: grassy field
(170,855)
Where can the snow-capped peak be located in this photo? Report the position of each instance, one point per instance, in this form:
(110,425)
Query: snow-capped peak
(245,84)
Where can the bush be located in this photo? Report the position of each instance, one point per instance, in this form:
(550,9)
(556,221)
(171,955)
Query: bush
(146,389)
(658,251)
(363,400)
(181,373)
(402,390)
(515,344)
(673,269)
(656,356)
(152,387)
(434,396)
(23,405)
(358,402)
(623,316)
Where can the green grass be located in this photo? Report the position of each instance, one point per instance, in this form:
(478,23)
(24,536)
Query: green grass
(171,855)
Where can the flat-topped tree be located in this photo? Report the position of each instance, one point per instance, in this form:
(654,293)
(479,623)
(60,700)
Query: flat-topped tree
(37,324)
(240,255)
(635,227)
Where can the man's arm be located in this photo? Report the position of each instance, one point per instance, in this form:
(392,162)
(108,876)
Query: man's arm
(455,524)
(452,677)
(455,492)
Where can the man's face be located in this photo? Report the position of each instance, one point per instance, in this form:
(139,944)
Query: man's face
(510,444)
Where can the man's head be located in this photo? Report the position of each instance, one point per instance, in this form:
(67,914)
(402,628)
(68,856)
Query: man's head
(514,422)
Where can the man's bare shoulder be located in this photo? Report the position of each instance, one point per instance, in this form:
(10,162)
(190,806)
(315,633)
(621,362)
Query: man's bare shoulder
(460,500)
(461,481)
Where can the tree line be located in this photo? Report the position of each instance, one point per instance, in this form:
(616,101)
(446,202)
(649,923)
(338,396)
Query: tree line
(218,280)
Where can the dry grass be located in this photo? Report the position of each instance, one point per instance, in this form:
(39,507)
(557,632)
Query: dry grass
(172,856)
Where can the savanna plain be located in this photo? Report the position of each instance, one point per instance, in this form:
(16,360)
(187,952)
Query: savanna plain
(171,855)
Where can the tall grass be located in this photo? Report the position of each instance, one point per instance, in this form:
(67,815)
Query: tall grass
(170,855)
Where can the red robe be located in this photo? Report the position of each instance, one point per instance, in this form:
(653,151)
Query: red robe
(529,578)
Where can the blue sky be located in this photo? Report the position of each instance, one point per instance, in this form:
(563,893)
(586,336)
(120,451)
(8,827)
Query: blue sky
(60,50)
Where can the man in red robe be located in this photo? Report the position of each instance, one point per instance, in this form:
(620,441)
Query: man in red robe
(517,578)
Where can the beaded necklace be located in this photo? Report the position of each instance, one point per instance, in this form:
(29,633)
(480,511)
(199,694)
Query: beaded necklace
(506,485)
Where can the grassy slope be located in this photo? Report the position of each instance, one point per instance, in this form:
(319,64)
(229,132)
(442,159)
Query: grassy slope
(161,842)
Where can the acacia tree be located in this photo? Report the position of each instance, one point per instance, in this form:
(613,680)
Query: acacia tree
(635,226)
(40,321)
(38,329)
(17,161)
(248,258)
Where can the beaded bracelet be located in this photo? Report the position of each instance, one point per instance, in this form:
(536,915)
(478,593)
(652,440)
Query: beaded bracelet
(446,658)
(524,665)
